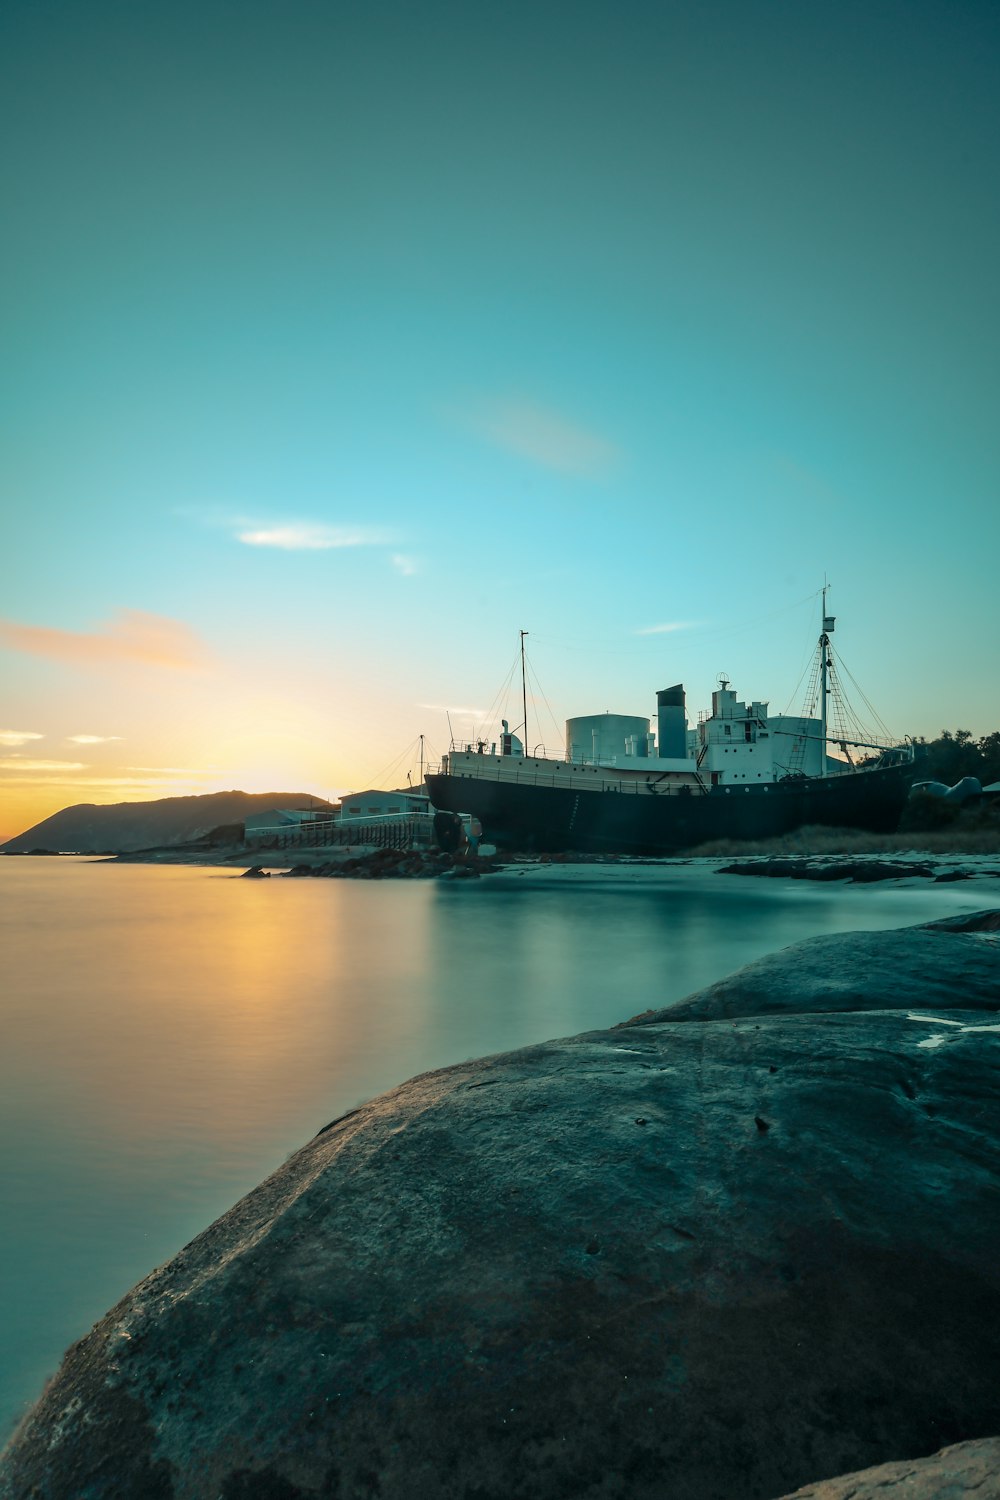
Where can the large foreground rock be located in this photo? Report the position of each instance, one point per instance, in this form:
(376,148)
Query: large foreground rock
(913,969)
(713,1256)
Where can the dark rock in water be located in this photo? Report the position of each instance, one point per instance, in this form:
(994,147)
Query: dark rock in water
(403,864)
(866,872)
(788,869)
(490,1284)
(256,872)
(859,871)
(967,1471)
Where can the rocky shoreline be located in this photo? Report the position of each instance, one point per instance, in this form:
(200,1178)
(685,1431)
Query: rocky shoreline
(724,1250)
(393,864)
(398,864)
(861,870)
(401,864)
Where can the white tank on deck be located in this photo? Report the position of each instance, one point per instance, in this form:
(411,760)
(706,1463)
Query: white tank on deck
(606,737)
(795,745)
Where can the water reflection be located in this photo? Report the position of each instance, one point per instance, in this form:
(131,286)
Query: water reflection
(171,1034)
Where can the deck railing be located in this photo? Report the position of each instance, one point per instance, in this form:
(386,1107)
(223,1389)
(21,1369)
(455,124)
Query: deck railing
(576,778)
(378,833)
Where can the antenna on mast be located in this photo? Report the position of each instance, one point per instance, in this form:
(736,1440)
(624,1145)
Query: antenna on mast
(524,694)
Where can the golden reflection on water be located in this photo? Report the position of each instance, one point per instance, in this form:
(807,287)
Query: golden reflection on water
(198,1000)
(168,1035)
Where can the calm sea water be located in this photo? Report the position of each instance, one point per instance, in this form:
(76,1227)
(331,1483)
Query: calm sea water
(169,1035)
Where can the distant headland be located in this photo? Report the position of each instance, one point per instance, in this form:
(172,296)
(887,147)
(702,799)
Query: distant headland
(124,827)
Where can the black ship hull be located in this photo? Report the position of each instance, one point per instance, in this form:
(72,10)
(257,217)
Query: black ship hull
(517,815)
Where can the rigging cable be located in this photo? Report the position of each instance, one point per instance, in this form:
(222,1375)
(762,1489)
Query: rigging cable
(500,699)
(887,733)
(533,679)
(388,769)
(721,632)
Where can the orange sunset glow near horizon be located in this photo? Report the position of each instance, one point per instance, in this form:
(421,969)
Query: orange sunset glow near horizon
(343,345)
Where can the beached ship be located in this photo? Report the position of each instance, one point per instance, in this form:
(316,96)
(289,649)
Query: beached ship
(739,774)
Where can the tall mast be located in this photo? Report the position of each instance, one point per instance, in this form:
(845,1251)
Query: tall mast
(824,653)
(421,760)
(524,694)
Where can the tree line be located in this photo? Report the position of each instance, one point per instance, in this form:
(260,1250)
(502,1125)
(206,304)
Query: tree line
(954,755)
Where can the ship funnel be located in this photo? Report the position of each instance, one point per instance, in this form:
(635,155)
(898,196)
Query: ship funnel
(671,723)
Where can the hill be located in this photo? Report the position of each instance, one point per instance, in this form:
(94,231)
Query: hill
(119,827)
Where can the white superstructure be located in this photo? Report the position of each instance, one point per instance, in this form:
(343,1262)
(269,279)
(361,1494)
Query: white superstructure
(733,743)
(736,744)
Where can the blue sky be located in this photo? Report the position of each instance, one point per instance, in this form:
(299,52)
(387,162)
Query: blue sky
(343,341)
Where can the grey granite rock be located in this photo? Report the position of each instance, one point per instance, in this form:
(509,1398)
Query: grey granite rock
(920,968)
(962,1472)
(740,1247)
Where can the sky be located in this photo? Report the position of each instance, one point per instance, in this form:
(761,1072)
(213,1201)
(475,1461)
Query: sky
(344,341)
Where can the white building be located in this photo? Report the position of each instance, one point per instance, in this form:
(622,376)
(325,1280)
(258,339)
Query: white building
(287,817)
(379,804)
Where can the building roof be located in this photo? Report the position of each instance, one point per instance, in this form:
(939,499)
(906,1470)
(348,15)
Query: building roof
(380,791)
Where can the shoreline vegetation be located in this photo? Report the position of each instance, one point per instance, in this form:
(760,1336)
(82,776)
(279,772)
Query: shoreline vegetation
(806,842)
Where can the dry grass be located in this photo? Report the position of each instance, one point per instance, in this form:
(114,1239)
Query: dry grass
(816,840)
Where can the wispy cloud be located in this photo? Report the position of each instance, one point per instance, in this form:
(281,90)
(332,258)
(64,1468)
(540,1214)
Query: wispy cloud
(14,737)
(21,763)
(405,566)
(668,628)
(172,770)
(92,739)
(288,534)
(308,536)
(21,772)
(449,708)
(88,783)
(535,432)
(132,635)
